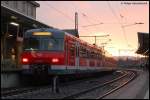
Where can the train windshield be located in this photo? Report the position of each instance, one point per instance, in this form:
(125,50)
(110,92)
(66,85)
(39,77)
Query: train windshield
(43,43)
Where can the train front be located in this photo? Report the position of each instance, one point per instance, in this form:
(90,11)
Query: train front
(42,49)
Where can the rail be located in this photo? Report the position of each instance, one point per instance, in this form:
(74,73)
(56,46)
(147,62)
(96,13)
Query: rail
(79,95)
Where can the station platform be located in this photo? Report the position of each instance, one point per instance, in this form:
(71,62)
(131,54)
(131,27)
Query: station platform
(137,89)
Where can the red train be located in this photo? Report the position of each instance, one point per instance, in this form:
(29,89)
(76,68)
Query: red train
(54,51)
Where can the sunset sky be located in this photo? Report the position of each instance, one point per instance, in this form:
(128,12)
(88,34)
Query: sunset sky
(112,15)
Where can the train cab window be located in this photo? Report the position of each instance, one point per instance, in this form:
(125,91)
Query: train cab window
(31,43)
(52,44)
(43,39)
(43,43)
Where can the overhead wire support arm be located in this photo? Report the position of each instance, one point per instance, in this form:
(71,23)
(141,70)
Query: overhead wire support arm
(93,25)
(132,24)
(96,36)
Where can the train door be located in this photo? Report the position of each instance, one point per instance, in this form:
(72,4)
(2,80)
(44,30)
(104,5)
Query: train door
(77,55)
(69,53)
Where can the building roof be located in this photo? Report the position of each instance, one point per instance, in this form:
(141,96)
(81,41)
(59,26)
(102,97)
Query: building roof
(35,3)
(56,33)
(143,40)
(24,19)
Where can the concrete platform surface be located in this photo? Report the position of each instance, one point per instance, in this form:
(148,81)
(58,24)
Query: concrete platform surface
(137,89)
(147,95)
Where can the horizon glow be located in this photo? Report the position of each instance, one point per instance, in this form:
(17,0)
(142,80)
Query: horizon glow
(111,15)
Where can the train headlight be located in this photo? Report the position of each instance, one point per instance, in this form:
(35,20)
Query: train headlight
(55,60)
(25,60)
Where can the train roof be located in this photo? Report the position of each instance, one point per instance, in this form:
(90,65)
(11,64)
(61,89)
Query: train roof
(59,34)
(84,43)
(56,33)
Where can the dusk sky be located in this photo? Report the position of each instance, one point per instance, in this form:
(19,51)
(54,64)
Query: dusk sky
(112,15)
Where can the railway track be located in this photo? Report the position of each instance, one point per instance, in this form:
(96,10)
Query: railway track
(16,91)
(124,81)
(79,94)
(102,90)
(20,90)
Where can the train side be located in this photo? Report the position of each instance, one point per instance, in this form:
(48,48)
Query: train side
(76,56)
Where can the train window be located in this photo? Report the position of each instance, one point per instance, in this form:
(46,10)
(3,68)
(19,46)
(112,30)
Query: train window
(52,44)
(95,55)
(87,52)
(80,51)
(83,52)
(92,55)
(43,43)
(72,51)
(31,44)
(100,56)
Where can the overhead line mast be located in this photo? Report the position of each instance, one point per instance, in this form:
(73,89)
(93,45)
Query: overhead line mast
(76,22)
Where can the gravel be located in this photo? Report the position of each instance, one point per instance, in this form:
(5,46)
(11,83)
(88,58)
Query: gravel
(64,90)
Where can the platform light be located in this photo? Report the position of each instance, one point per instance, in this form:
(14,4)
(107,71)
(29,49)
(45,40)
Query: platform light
(13,23)
(13,17)
(10,35)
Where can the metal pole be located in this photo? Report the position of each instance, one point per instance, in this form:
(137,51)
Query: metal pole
(76,21)
(95,40)
(17,48)
(5,44)
(76,24)
(55,87)
(119,58)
